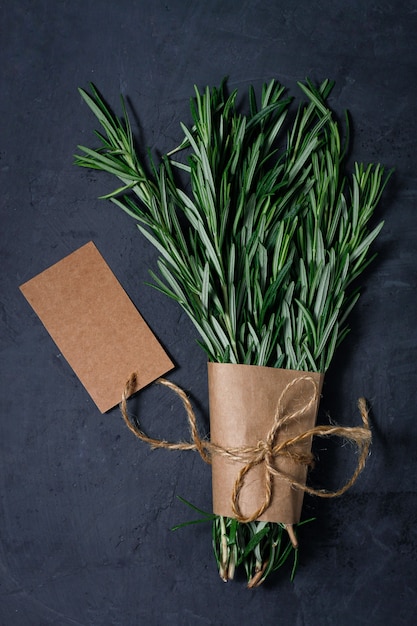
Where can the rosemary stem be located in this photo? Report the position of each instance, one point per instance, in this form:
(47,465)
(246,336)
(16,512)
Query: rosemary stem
(224,552)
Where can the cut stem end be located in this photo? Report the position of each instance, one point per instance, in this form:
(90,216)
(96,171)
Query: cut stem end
(290,530)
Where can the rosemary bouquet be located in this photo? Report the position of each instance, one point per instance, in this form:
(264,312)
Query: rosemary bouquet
(262,236)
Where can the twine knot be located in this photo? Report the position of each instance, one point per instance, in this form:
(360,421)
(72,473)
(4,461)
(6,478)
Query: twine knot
(265,452)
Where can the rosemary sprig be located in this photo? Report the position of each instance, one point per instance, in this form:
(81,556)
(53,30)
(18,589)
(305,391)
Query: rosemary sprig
(261,247)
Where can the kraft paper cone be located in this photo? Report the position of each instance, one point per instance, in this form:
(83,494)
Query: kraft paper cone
(243,405)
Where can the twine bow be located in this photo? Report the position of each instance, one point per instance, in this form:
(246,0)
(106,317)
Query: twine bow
(267,451)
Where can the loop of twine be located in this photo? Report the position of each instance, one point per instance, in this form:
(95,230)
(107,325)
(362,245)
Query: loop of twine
(265,451)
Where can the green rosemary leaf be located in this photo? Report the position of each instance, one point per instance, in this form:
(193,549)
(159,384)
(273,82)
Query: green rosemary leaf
(327,356)
(181,166)
(130,209)
(203,520)
(313,94)
(326,333)
(172,282)
(195,508)
(322,291)
(166,253)
(99,109)
(205,287)
(308,323)
(110,164)
(253,108)
(310,364)
(190,139)
(364,245)
(117,192)
(255,540)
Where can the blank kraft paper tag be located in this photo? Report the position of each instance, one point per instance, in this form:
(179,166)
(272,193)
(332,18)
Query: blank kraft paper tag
(96,326)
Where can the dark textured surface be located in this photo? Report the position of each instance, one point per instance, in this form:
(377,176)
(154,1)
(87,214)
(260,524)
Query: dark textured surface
(85,510)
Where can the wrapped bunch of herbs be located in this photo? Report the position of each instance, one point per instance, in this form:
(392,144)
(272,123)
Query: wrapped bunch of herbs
(262,235)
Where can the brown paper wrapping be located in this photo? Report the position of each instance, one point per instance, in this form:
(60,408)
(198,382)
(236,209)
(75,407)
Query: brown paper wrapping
(243,404)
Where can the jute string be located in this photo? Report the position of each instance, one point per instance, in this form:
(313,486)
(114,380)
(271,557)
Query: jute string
(265,451)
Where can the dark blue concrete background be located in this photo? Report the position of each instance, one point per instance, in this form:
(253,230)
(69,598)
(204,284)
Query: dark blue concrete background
(85,510)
